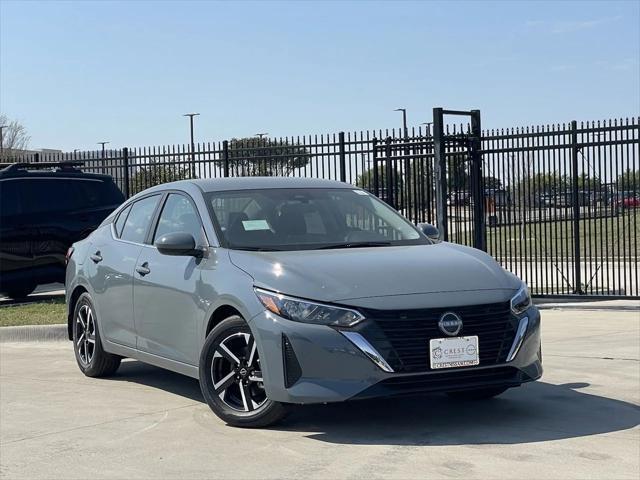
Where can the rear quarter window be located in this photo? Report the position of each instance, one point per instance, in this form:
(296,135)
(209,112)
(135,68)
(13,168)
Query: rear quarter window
(119,223)
(98,193)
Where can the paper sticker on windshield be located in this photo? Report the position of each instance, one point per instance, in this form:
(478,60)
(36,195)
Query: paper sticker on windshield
(360,192)
(255,225)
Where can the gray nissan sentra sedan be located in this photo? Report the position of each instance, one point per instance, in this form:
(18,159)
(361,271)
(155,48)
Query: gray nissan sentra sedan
(279,291)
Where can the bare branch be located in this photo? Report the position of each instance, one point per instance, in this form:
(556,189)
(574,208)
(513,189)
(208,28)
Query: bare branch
(14,137)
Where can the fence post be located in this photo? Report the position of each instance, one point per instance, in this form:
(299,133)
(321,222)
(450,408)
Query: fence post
(440,169)
(225,157)
(376,180)
(389,174)
(125,165)
(476,179)
(577,277)
(343,163)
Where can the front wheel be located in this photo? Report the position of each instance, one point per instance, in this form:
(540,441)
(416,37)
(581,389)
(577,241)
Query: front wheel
(478,394)
(231,377)
(91,357)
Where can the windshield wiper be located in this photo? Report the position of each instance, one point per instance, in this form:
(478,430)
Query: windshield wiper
(355,245)
(256,249)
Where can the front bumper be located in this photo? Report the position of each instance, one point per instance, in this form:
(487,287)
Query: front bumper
(330,368)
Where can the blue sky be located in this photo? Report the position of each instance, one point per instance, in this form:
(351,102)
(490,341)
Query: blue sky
(76,73)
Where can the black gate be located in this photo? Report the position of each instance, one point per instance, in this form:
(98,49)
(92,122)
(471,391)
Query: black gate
(436,178)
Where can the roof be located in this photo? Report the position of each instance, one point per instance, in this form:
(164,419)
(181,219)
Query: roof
(250,183)
(48,169)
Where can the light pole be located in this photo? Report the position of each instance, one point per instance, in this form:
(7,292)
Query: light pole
(405,131)
(2,127)
(193,146)
(261,135)
(103,154)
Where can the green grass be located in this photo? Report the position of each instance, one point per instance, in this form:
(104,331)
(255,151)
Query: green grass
(48,312)
(599,238)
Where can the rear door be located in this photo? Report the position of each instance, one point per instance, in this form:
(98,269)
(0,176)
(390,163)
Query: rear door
(16,259)
(112,259)
(47,203)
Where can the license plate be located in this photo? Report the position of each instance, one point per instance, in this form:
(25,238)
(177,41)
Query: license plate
(453,352)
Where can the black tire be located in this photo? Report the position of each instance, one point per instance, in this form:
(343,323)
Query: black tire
(94,362)
(19,292)
(234,331)
(478,394)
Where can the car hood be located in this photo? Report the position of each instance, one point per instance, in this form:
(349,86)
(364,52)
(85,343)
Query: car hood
(357,273)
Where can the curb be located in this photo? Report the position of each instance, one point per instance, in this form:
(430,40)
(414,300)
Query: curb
(599,308)
(34,333)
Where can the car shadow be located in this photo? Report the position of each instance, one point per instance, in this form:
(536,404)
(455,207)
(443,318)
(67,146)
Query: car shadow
(155,377)
(535,412)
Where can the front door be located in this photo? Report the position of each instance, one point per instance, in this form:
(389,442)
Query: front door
(167,305)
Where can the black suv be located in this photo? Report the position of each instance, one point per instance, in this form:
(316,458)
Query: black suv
(44,208)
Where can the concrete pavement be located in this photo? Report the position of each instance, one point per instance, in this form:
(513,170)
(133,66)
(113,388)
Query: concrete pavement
(581,421)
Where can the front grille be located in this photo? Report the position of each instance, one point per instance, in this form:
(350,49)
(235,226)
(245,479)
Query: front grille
(402,336)
(444,381)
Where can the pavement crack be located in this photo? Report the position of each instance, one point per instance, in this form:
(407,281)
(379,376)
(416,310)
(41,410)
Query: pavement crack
(116,420)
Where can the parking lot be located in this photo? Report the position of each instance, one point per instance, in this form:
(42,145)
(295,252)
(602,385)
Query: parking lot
(580,421)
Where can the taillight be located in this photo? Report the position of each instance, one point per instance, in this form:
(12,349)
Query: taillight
(68,256)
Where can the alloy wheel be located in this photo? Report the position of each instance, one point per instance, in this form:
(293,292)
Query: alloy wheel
(236,374)
(85,334)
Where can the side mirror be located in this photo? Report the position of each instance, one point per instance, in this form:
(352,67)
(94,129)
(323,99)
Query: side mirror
(178,243)
(430,231)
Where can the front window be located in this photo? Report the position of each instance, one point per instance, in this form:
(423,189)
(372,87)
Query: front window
(307,219)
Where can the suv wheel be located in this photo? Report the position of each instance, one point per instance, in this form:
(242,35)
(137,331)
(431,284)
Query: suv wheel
(92,359)
(231,377)
(478,394)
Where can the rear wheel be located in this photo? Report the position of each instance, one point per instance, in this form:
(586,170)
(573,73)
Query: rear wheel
(478,394)
(92,359)
(231,377)
(19,291)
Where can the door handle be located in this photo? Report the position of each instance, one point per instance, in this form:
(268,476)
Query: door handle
(143,269)
(96,257)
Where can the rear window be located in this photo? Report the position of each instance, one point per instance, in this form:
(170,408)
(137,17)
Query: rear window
(48,195)
(10,198)
(41,195)
(138,221)
(98,193)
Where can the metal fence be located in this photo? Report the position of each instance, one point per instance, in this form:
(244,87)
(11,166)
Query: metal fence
(560,204)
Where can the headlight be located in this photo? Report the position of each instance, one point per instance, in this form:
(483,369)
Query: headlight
(308,312)
(521,300)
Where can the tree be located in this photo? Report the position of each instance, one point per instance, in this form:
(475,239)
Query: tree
(629,180)
(156,174)
(14,138)
(528,190)
(457,175)
(366,180)
(585,182)
(492,183)
(271,158)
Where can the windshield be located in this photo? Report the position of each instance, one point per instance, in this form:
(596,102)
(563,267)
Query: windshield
(306,219)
